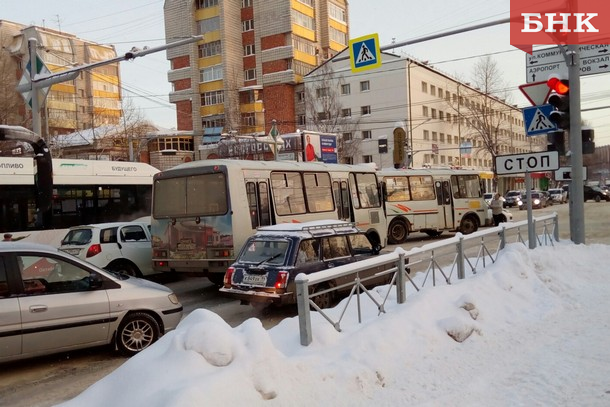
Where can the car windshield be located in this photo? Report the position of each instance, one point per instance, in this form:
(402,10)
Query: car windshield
(77,236)
(265,251)
(513,193)
(555,191)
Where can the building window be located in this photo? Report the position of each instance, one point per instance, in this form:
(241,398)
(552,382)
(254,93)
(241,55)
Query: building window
(365,86)
(322,116)
(211,73)
(424,87)
(441,115)
(426,135)
(209,122)
(301,97)
(209,49)
(301,120)
(247,25)
(336,12)
(303,20)
(366,134)
(246,3)
(322,92)
(424,111)
(367,158)
(208,25)
(338,36)
(249,50)
(215,97)
(346,112)
(206,3)
(345,90)
(434,136)
(441,137)
(250,74)
(364,110)
(248,119)
(433,113)
(432,90)
(347,136)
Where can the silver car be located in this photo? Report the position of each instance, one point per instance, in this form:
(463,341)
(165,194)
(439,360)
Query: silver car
(53,302)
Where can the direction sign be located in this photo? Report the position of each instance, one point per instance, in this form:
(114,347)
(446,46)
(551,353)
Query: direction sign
(536,119)
(532,162)
(594,59)
(364,53)
(565,174)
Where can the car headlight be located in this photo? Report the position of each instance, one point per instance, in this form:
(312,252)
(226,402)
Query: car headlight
(536,201)
(173,299)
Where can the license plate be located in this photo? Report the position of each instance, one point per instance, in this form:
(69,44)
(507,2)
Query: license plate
(255,279)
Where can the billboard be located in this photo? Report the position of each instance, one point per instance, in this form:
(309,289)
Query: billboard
(310,146)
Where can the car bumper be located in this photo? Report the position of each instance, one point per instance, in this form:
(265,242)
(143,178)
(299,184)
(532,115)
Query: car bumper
(256,296)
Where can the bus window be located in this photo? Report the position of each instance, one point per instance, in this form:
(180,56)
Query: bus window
(288,193)
(165,202)
(364,191)
(466,186)
(252,203)
(397,189)
(319,194)
(422,188)
(258,203)
(341,199)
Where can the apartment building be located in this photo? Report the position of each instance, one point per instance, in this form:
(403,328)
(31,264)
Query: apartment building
(92,99)
(447,123)
(243,74)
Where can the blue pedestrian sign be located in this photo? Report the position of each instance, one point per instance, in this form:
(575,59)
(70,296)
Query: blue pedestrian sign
(536,120)
(364,53)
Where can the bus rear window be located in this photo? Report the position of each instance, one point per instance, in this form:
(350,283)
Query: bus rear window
(204,195)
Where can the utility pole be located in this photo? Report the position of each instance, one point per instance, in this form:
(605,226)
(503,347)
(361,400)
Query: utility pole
(38,82)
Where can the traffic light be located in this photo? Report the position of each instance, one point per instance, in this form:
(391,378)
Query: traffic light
(588,145)
(560,99)
(556,142)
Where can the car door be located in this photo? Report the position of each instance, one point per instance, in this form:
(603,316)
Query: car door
(136,246)
(58,309)
(10,317)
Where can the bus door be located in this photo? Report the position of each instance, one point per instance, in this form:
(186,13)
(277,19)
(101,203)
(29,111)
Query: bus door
(445,203)
(342,204)
(259,207)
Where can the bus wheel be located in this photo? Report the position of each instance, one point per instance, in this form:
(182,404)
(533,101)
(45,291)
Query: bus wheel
(398,231)
(468,225)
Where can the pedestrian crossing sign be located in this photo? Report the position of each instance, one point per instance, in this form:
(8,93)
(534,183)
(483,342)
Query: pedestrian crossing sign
(536,120)
(364,53)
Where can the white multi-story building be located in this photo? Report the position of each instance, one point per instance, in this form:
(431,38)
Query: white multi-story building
(447,122)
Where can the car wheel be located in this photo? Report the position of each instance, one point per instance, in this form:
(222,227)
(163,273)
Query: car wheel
(597,198)
(468,225)
(323,300)
(124,268)
(136,332)
(398,231)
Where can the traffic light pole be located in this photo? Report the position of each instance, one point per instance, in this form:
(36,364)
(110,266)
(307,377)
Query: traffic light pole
(577,202)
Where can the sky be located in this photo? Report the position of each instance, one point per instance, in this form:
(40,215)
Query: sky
(140,23)
(536,335)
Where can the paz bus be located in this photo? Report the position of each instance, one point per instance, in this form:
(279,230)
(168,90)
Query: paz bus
(431,201)
(203,211)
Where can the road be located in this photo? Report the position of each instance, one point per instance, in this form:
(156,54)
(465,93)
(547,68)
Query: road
(49,380)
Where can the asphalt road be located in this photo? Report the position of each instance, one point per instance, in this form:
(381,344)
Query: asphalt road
(49,380)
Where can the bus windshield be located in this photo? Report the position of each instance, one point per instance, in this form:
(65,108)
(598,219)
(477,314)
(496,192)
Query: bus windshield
(204,195)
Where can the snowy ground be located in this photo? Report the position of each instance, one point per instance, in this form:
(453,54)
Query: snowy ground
(535,334)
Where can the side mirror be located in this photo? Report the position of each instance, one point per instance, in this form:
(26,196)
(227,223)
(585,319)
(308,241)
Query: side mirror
(95,281)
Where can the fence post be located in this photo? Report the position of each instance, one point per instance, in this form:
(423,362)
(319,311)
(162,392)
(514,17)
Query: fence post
(502,234)
(556,227)
(401,292)
(460,258)
(304,311)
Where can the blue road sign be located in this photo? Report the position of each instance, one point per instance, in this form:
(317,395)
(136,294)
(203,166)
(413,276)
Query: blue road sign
(536,120)
(364,52)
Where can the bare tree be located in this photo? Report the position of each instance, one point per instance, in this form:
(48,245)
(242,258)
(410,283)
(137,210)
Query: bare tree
(483,113)
(10,100)
(325,113)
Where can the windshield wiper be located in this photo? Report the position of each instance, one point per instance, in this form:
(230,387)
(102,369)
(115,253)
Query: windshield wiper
(269,259)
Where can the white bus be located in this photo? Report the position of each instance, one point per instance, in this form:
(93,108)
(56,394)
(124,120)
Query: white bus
(83,191)
(203,211)
(431,201)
